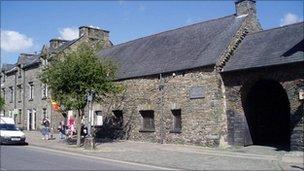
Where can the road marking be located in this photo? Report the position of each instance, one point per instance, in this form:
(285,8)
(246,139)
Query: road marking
(101,158)
(2,168)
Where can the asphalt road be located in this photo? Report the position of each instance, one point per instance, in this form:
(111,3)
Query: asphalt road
(34,158)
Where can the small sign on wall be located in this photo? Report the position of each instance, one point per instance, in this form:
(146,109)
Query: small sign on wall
(99,121)
(99,118)
(301,94)
(196,92)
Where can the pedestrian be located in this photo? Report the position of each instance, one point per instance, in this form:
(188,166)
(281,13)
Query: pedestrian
(61,129)
(71,126)
(46,129)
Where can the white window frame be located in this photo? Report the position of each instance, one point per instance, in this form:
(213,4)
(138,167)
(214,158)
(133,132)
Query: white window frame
(31,90)
(19,93)
(44,91)
(11,98)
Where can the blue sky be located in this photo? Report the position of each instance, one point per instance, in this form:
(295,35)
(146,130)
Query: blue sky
(27,25)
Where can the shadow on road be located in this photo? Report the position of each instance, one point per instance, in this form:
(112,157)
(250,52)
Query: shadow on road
(22,144)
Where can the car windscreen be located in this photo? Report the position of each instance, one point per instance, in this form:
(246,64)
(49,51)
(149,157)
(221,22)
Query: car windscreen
(8,127)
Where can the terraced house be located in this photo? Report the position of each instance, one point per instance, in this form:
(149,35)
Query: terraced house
(214,83)
(27,98)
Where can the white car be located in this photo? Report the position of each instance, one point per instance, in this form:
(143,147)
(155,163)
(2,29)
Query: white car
(9,133)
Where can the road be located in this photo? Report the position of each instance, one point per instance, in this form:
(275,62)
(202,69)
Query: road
(35,158)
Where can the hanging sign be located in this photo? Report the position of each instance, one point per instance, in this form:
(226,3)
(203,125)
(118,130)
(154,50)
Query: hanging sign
(55,106)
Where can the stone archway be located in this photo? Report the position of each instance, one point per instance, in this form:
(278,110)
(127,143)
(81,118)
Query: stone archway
(267,112)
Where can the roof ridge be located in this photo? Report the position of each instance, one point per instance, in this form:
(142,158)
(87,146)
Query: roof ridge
(276,28)
(172,30)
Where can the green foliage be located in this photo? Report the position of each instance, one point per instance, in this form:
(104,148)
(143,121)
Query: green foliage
(2,103)
(70,76)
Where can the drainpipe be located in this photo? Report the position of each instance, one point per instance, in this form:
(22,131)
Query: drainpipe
(161,88)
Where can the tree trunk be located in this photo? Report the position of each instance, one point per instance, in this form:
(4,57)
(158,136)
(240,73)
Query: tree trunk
(78,127)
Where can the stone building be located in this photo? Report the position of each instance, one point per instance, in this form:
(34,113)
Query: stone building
(215,83)
(27,98)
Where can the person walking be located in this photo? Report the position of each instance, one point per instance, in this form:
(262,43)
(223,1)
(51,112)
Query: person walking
(61,129)
(46,131)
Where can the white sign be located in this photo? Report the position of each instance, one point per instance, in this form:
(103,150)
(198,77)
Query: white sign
(99,121)
(301,94)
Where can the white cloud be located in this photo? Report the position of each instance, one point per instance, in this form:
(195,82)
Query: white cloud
(290,18)
(12,41)
(69,33)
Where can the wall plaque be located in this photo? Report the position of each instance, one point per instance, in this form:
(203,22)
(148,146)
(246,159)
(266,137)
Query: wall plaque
(196,92)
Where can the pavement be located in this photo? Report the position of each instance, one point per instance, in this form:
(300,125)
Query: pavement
(181,157)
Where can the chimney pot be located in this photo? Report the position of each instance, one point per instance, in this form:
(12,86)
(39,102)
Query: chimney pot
(244,7)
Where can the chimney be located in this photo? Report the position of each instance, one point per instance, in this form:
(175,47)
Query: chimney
(55,43)
(93,32)
(244,7)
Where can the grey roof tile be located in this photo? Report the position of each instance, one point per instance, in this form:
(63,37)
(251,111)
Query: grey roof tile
(187,47)
(33,61)
(277,46)
(25,58)
(6,67)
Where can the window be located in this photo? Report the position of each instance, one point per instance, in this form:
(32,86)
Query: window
(19,93)
(147,121)
(177,121)
(118,119)
(15,117)
(44,112)
(44,91)
(20,116)
(3,94)
(11,96)
(31,90)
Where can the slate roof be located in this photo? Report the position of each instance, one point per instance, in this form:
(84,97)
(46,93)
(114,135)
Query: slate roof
(187,47)
(277,46)
(6,67)
(25,58)
(35,60)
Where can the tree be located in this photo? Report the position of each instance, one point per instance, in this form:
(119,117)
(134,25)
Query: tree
(2,103)
(70,76)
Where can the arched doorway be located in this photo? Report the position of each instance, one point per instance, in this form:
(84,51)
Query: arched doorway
(267,112)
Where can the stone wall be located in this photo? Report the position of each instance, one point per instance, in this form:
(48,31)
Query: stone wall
(237,85)
(10,80)
(203,122)
(37,103)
